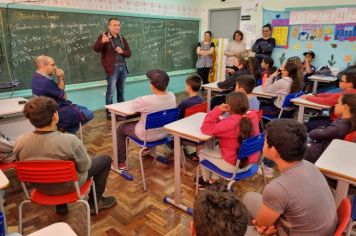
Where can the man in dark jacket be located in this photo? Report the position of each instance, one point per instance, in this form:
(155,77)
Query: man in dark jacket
(114,49)
(264,46)
(71,115)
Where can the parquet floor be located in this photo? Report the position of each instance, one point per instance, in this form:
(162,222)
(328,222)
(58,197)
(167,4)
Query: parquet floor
(137,212)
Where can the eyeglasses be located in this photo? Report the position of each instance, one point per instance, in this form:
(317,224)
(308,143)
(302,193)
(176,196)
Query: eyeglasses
(342,81)
(53,64)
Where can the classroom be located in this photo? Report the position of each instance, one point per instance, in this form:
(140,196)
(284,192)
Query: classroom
(190,117)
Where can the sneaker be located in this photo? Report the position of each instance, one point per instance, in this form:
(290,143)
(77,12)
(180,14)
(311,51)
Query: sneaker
(103,203)
(269,171)
(122,166)
(62,209)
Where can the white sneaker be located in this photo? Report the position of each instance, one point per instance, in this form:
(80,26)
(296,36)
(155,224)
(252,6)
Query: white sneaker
(269,171)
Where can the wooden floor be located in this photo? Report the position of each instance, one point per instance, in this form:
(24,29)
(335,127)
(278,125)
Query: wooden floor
(137,212)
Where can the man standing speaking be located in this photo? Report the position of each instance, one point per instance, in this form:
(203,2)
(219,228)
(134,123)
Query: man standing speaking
(114,49)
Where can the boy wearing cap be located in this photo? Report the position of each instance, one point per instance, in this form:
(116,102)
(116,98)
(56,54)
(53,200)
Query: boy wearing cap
(160,100)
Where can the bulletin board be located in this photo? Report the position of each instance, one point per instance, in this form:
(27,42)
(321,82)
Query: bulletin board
(329,33)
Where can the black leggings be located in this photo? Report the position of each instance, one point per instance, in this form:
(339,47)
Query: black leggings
(204,74)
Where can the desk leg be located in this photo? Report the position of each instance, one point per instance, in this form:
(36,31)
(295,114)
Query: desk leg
(301,114)
(315,86)
(177,198)
(2,209)
(341,191)
(208,98)
(114,167)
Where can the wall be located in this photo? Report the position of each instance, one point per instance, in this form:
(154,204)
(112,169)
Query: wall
(93,97)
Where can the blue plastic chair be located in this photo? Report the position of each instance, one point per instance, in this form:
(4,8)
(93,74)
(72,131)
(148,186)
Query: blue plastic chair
(247,148)
(287,104)
(153,121)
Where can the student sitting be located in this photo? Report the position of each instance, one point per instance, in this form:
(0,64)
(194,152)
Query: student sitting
(246,84)
(299,201)
(71,115)
(192,87)
(218,212)
(347,85)
(6,149)
(46,143)
(231,131)
(267,69)
(242,68)
(160,100)
(289,83)
(321,137)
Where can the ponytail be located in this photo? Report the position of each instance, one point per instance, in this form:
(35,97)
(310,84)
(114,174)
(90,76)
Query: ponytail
(238,103)
(246,129)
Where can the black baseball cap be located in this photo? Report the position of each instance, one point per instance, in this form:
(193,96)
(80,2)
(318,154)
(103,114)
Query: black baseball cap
(311,53)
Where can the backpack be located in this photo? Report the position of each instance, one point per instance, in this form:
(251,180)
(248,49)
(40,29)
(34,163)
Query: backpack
(324,71)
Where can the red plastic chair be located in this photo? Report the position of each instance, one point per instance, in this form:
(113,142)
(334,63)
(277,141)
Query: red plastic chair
(343,215)
(351,137)
(53,172)
(7,166)
(202,107)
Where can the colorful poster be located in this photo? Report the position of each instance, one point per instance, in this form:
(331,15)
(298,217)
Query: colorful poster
(345,32)
(310,32)
(280,34)
(327,16)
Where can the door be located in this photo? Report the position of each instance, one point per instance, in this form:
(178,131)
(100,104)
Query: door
(223,22)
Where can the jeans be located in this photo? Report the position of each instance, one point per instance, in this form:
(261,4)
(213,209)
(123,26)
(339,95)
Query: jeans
(124,130)
(116,80)
(99,170)
(204,74)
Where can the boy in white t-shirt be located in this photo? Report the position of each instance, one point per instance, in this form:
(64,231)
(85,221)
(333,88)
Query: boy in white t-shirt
(160,100)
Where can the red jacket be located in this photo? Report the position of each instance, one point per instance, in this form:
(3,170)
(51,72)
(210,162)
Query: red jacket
(108,54)
(227,130)
(329,99)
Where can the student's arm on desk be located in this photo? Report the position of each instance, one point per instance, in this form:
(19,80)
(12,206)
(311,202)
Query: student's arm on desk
(327,133)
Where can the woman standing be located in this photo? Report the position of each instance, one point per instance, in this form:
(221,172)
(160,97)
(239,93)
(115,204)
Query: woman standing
(205,51)
(234,49)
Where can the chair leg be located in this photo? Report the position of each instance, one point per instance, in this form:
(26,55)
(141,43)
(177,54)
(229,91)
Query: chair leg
(95,199)
(197,181)
(127,153)
(142,171)
(182,156)
(229,186)
(20,214)
(349,228)
(81,131)
(88,215)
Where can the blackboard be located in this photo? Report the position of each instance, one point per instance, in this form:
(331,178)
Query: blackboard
(68,37)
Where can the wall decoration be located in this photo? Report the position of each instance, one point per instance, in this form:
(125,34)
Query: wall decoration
(309,46)
(329,16)
(295,31)
(348,59)
(296,46)
(333,45)
(332,60)
(310,32)
(345,32)
(326,38)
(282,58)
(280,31)
(328,30)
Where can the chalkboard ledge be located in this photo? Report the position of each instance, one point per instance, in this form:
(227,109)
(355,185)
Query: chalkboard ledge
(88,85)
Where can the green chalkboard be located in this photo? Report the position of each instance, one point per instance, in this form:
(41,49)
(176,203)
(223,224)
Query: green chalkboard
(68,37)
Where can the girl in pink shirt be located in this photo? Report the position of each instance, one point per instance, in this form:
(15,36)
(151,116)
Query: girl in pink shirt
(231,131)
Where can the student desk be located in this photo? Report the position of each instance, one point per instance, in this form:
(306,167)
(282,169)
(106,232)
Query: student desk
(56,229)
(303,103)
(257,91)
(4,182)
(124,110)
(320,78)
(338,162)
(187,128)
(211,87)
(12,121)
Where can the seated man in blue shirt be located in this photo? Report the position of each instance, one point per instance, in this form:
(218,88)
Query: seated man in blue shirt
(71,115)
